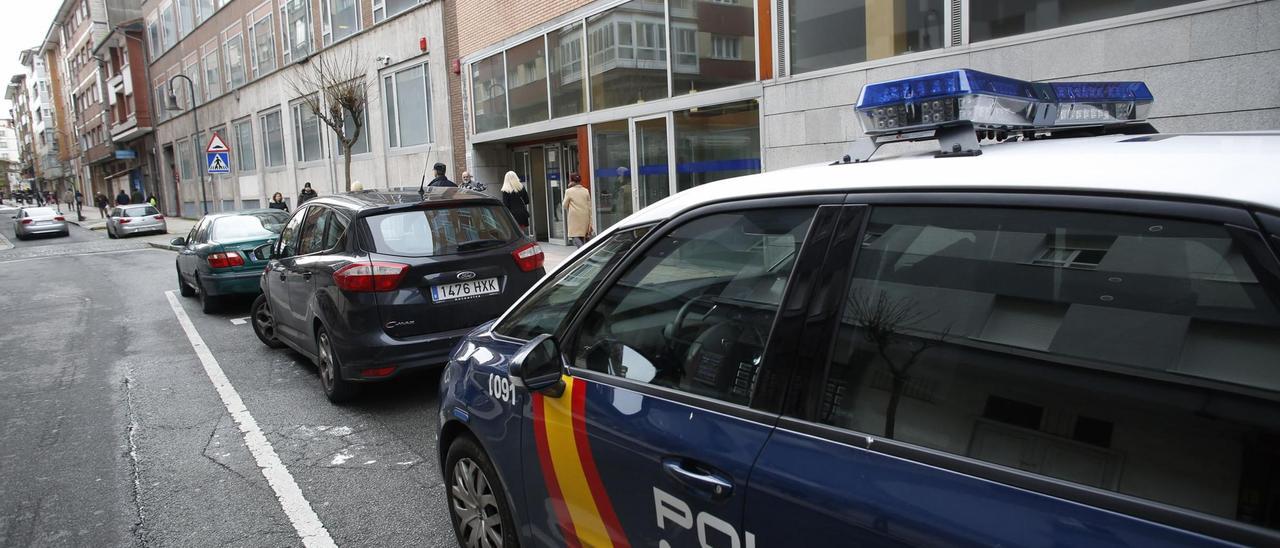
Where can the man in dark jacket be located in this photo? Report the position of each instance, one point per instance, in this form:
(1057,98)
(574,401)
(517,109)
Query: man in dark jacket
(306,194)
(122,198)
(440,179)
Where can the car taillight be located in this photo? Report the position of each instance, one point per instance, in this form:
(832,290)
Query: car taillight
(528,257)
(225,260)
(59,218)
(124,220)
(26,221)
(159,217)
(370,277)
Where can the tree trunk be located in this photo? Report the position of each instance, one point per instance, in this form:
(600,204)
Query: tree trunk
(891,411)
(346,163)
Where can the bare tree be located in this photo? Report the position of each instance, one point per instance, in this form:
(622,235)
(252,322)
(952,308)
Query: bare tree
(882,321)
(334,85)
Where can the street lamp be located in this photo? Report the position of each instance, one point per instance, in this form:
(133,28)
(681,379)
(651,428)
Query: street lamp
(171,104)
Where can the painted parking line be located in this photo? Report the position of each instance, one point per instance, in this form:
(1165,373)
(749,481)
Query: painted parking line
(296,507)
(240,321)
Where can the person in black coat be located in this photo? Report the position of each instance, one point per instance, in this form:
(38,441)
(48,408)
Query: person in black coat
(277,202)
(516,198)
(122,198)
(440,179)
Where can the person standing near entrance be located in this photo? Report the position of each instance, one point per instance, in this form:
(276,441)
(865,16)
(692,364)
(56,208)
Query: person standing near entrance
(577,206)
(516,198)
(122,198)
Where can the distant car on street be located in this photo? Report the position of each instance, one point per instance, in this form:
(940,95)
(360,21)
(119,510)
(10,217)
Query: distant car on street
(135,219)
(371,284)
(216,258)
(34,221)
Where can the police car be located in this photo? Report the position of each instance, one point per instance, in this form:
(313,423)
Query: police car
(1055,327)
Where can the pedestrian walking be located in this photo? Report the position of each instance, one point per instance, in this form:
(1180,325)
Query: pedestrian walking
(470,183)
(101,201)
(577,205)
(440,180)
(69,198)
(277,202)
(153,201)
(306,194)
(516,198)
(122,198)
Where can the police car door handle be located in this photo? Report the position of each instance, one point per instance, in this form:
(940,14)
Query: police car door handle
(697,477)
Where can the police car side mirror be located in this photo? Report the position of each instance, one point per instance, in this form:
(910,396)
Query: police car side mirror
(538,366)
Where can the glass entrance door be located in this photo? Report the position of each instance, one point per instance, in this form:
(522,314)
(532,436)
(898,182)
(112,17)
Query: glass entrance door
(652,161)
(555,195)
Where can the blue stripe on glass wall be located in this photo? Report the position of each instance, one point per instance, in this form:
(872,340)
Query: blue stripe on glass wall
(708,166)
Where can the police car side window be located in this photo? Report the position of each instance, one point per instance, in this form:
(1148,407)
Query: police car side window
(1127,353)
(695,311)
(544,311)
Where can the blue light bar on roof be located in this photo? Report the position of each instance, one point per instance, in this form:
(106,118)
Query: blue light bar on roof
(988,101)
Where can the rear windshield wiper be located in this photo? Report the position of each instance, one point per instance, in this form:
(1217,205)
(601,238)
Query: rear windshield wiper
(472,245)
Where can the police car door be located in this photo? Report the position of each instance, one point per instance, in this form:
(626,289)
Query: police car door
(666,407)
(1032,370)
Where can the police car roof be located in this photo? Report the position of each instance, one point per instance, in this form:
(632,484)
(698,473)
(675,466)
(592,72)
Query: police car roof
(1223,167)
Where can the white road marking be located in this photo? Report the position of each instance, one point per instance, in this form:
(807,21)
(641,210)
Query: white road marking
(240,321)
(296,507)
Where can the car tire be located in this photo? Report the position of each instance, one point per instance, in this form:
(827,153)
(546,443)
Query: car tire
(264,324)
(336,388)
(208,303)
(470,481)
(110,234)
(19,236)
(184,289)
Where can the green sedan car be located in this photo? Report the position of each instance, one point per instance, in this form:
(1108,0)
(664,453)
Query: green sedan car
(216,258)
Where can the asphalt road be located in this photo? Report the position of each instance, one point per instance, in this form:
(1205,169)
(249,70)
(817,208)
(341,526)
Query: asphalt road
(113,433)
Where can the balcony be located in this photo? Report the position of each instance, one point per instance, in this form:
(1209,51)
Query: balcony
(128,130)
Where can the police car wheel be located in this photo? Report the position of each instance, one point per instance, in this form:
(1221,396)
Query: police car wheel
(477,502)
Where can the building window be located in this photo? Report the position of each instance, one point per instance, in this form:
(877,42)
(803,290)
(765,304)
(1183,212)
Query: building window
(382,9)
(205,10)
(725,47)
(489,94)
(306,133)
(408,99)
(162,113)
(714,143)
(527,78)
(185,164)
(212,76)
(264,46)
(830,33)
(568,95)
(295,28)
(192,72)
(235,62)
(272,139)
(153,39)
(341,19)
(186,16)
(626,54)
(168,27)
(243,143)
(990,19)
(361,145)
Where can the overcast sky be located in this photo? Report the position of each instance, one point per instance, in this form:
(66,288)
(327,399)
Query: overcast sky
(23,24)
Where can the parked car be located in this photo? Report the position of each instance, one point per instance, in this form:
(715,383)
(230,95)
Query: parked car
(216,258)
(128,220)
(1068,338)
(372,284)
(33,221)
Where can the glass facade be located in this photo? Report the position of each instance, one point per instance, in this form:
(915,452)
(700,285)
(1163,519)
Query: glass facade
(627,54)
(568,95)
(712,44)
(829,33)
(527,82)
(999,18)
(611,180)
(714,143)
(489,93)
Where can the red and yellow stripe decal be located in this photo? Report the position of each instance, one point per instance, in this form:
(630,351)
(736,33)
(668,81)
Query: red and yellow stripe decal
(581,504)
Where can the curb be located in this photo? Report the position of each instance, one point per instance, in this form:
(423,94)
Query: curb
(159,245)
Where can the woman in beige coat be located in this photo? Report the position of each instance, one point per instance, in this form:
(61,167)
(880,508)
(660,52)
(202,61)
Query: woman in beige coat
(577,205)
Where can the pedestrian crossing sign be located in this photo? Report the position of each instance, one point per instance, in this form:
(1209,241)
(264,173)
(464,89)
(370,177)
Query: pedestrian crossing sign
(219,162)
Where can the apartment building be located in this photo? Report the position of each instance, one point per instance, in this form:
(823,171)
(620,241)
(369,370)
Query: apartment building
(20,113)
(235,66)
(34,113)
(122,59)
(643,98)
(83,131)
(10,156)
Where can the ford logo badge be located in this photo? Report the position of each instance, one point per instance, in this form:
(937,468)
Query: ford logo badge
(466,275)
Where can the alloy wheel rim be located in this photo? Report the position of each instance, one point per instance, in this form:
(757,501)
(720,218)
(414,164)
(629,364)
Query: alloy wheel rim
(326,363)
(475,505)
(265,322)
